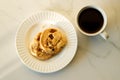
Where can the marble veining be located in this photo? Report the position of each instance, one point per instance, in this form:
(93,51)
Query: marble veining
(96,59)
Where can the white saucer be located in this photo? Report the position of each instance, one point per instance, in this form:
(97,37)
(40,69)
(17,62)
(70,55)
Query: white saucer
(31,26)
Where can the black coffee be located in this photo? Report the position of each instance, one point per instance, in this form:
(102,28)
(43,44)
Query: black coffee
(90,20)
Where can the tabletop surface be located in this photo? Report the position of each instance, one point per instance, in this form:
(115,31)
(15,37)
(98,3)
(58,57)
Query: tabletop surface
(95,59)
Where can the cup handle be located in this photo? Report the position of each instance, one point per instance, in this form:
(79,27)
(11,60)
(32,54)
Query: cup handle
(104,35)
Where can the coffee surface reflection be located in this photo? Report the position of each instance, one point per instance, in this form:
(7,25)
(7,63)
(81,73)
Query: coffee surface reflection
(90,20)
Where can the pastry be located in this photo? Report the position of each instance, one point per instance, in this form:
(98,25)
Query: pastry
(52,40)
(48,43)
(36,49)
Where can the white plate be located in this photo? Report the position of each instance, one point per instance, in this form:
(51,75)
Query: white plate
(30,27)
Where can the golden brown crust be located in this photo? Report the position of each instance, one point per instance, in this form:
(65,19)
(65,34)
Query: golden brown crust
(36,49)
(48,43)
(52,40)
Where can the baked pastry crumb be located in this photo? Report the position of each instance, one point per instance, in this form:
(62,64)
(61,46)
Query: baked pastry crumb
(48,43)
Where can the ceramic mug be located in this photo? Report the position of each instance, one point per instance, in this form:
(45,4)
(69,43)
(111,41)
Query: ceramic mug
(92,21)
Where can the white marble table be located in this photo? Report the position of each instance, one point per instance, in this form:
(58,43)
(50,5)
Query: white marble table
(96,59)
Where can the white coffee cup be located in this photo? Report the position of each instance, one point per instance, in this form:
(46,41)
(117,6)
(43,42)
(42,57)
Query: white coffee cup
(92,21)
